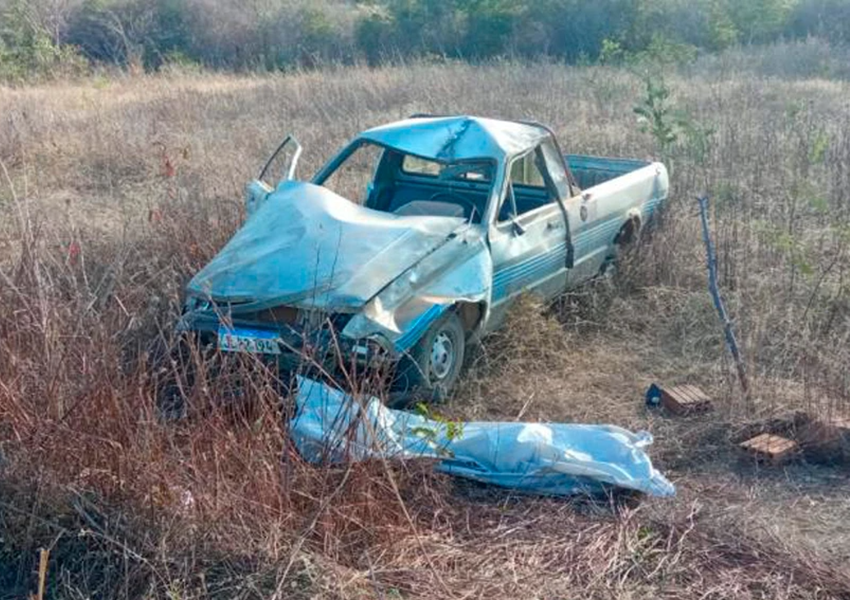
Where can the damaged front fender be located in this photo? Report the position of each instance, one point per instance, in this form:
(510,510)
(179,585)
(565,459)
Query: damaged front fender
(458,272)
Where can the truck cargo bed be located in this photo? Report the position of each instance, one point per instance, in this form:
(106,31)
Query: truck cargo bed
(590,171)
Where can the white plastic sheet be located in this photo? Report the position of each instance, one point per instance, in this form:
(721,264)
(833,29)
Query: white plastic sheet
(556,459)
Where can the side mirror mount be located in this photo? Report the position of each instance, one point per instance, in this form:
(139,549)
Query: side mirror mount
(256,193)
(517,227)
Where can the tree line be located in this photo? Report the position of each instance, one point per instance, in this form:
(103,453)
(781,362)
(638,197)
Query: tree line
(42,38)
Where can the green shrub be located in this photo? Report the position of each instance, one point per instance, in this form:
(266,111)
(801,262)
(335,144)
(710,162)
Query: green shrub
(655,113)
(280,34)
(28,51)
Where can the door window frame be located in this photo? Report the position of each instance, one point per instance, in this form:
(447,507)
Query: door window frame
(509,192)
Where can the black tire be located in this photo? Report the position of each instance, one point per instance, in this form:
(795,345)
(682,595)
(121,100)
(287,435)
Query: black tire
(430,370)
(172,377)
(175,374)
(628,235)
(625,241)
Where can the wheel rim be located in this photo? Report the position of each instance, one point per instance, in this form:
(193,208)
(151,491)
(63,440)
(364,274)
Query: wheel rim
(442,356)
(609,271)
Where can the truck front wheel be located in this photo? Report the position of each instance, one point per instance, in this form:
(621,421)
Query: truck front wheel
(430,370)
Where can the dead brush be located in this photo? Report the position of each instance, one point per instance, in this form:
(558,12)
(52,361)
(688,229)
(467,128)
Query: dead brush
(222,507)
(90,470)
(530,336)
(495,384)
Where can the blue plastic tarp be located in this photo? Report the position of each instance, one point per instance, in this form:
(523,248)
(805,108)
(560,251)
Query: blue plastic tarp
(544,458)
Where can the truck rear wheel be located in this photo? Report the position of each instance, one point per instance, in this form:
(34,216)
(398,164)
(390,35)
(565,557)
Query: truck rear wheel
(430,370)
(625,241)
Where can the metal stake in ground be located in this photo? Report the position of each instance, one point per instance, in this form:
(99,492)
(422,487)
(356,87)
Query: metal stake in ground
(714,290)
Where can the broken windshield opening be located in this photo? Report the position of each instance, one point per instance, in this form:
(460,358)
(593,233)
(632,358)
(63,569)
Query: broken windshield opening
(353,176)
(407,185)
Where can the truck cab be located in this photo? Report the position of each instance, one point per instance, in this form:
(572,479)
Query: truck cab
(414,240)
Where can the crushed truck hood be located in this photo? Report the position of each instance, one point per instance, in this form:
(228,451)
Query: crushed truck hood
(307,246)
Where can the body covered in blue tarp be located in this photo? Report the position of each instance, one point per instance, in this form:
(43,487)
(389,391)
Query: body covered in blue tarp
(544,458)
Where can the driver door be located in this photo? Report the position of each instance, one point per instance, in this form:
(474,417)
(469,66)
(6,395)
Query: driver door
(280,166)
(529,237)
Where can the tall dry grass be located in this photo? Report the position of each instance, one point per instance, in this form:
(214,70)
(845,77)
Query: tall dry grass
(115,191)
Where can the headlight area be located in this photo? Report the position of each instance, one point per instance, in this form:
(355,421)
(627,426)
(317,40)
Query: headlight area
(385,326)
(373,351)
(192,303)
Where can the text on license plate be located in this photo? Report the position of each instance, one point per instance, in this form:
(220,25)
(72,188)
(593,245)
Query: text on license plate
(254,341)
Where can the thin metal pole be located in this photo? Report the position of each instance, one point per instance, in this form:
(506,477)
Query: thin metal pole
(714,290)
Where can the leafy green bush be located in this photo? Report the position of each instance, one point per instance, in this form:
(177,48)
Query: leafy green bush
(27,51)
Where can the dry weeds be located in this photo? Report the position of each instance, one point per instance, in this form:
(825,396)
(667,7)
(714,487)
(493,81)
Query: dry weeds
(119,189)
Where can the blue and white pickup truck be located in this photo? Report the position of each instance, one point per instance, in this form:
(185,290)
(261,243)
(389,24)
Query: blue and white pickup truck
(412,242)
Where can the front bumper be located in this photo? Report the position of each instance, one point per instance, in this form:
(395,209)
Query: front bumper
(322,348)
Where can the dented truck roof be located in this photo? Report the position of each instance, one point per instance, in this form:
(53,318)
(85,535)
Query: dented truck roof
(458,138)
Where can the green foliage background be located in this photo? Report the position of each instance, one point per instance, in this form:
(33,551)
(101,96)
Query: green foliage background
(45,38)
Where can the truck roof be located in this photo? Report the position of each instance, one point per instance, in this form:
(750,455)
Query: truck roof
(455,138)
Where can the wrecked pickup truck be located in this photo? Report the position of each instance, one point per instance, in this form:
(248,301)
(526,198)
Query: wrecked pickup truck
(412,242)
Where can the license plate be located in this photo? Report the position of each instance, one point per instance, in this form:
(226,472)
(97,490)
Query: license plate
(253,341)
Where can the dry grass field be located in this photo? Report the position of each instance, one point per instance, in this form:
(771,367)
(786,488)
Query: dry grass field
(113,191)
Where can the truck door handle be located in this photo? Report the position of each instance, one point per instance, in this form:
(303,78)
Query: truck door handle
(550,225)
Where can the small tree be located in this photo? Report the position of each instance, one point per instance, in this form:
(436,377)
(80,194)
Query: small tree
(722,31)
(655,113)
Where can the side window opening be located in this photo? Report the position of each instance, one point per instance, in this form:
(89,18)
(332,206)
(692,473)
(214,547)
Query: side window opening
(525,171)
(528,188)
